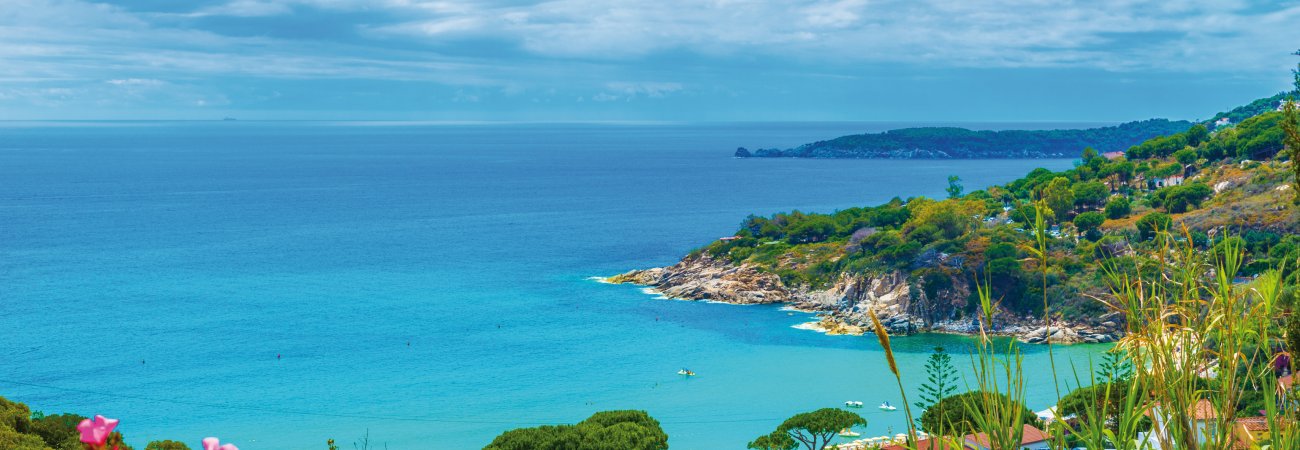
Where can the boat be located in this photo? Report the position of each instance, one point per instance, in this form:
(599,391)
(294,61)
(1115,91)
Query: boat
(686,372)
(853,404)
(849,433)
(887,407)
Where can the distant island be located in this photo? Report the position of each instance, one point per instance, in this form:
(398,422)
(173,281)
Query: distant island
(961,143)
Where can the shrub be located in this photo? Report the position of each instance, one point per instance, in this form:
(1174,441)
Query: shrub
(1118,208)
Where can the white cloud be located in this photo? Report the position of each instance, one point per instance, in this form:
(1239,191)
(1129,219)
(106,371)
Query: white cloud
(135,82)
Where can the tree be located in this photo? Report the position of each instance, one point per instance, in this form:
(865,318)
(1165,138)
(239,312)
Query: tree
(1059,197)
(166,445)
(957,414)
(1114,367)
(59,430)
(1099,401)
(1185,156)
(1197,134)
(1118,208)
(1088,224)
(1291,126)
(954,186)
(1152,223)
(606,430)
(941,377)
(1089,194)
(812,429)
(773,441)
(812,229)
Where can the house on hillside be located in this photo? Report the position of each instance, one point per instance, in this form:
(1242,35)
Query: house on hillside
(1113,155)
(1202,413)
(1173,180)
(1249,431)
(1222,122)
(1031,438)
(728,238)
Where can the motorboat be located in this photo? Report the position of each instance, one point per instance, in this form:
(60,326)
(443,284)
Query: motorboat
(887,407)
(853,404)
(686,372)
(849,433)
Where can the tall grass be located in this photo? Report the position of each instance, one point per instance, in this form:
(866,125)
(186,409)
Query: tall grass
(1191,336)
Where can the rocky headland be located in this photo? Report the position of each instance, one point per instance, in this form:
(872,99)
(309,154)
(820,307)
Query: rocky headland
(843,306)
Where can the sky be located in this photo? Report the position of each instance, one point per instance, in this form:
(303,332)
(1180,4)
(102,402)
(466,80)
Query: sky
(654,60)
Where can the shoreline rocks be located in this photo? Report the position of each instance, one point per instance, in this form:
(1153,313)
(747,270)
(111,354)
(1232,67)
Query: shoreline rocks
(843,306)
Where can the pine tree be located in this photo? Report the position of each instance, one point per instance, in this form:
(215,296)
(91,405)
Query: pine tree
(954,186)
(941,379)
(1114,367)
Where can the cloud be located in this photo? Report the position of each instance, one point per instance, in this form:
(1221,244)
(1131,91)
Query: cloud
(68,51)
(135,82)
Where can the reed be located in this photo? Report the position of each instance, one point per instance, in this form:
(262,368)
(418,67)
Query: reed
(1199,345)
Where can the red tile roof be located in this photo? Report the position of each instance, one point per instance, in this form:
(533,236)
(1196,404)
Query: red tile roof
(1029,435)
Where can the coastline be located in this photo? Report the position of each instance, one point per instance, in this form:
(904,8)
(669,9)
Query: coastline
(842,307)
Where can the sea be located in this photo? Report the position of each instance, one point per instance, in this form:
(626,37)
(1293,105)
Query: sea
(409,285)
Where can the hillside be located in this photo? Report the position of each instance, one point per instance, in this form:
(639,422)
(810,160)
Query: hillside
(917,261)
(961,143)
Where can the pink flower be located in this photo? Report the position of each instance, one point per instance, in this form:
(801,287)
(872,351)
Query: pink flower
(96,432)
(213,444)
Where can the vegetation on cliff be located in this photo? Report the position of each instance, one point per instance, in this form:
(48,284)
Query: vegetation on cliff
(1233,180)
(952,142)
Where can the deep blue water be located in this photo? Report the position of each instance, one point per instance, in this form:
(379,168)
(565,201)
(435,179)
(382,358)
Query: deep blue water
(425,283)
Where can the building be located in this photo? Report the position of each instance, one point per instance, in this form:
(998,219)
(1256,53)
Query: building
(1222,122)
(1248,431)
(1031,438)
(1113,155)
(728,238)
(1202,413)
(1174,180)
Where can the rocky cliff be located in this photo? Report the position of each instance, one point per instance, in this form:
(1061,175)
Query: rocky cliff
(844,305)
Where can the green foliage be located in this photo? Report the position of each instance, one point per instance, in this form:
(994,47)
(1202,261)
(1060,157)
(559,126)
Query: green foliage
(954,186)
(941,379)
(812,429)
(1059,197)
(1290,124)
(1114,367)
(59,431)
(775,440)
(1090,194)
(1260,137)
(166,445)
(1197,134)
(1181,198)
(1186,156)
(1252,109)
(1088,224)
(607,430)
(1118,208)
(1158,147)
(1152,223)
(957,414)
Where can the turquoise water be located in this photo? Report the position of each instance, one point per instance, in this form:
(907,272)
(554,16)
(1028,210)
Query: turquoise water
(427,284)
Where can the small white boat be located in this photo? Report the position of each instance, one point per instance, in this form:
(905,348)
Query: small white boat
(853,404)
(849,433)
(686,372)
(887,407)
